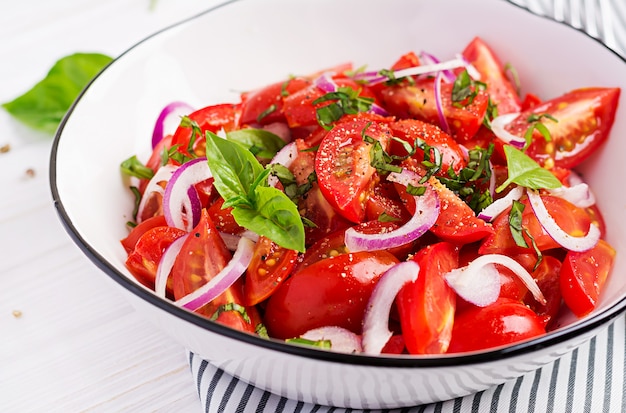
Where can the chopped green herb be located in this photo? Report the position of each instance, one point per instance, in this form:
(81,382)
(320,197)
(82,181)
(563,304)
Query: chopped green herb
(324,344)
(133,167)
(524,171)
(231,307)
(512,72)
(266,112)
(535,124)
(465,89)
(345,101)
(515,223)
(415,190)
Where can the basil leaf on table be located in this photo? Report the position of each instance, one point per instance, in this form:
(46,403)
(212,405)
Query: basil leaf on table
(242,181)
(45,104)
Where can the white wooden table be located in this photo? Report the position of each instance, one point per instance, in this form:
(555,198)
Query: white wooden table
(68,340)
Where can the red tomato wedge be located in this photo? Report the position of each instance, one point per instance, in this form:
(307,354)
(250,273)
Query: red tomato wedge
(143,261)
(427,306)
(503,322)
(271,264)
(343,168)
(131,240)
(583,120)
(265,105)
(331,292)
(583,275)
(501,91)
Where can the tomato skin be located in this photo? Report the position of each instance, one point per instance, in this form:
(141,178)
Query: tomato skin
(584,119)
(135,234)
(573,220)
(418,102)
(499,87)
(427,306)
(342,164)
(210,118)
(548,279)
(334,291)
(504,322)
(409,130)
(223,218)
(259,102)
(270,266)
(583,276)
(456,223)
(144,260)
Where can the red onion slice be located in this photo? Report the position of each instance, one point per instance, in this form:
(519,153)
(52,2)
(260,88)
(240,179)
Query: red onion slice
(425,216)
(498,126)
(166,264)
(164,173)
(169,119)
(373,78)
(428,58)
(443,122)
(471,70)
(376,322)
(478,283)
(224,279)
(500,205)
(579,194)
(325,83)
(341,339)
(557,233)
(180,199)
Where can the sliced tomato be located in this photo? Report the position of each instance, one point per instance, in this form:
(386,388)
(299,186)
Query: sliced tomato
(223,218)
(418,102)
(334,291)
(211,118)
(342,164)
(583,276)
(500,89)
(155,160)
(456,223)
(383,200)
(143,261)
(131,240)
(410,130)
(504,322)
(427,306)
(573,220)
(583,121)
(530,101)
(202,256)
(406,61)
(270,266)
(265,105)
(547,277)
(299,108)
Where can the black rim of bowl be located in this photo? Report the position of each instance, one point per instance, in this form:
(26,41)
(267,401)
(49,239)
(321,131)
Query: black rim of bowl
(546,341)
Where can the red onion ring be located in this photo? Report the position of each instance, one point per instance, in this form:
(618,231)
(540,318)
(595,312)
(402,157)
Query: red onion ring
(224,279)
(373,78)
(180,199)
(164,173)
(500,205)
(557,233)
(498,126)
(443,122)
(431,59)
(165,265)
(325,83)
(169,113)
(341,339)
(425,216)
(376,321)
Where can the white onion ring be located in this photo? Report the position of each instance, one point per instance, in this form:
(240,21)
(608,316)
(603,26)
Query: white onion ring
(557,233)
(426,213)
(500,205)
(579,194)
(443,122)
(181,198)
(478,283)
(164,173)
(498,126)
(171,112)
(224,279)
(165,265)
(341,339)
(376,321)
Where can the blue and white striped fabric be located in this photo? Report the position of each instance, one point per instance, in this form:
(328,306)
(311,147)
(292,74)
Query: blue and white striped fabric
(589,379)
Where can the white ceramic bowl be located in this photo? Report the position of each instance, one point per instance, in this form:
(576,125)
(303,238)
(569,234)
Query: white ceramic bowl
(249,43)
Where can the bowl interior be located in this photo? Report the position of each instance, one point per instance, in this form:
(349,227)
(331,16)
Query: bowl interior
(246,44)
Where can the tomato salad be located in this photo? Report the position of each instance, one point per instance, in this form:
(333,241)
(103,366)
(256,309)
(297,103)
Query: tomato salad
(417,209)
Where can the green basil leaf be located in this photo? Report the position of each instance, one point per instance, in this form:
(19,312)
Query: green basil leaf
(45,104)
(133,167)
(524,171)
(233,167)
(515,223)
(267,142)
(275,217)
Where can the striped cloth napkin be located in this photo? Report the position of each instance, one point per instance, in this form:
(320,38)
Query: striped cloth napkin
(589,379)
